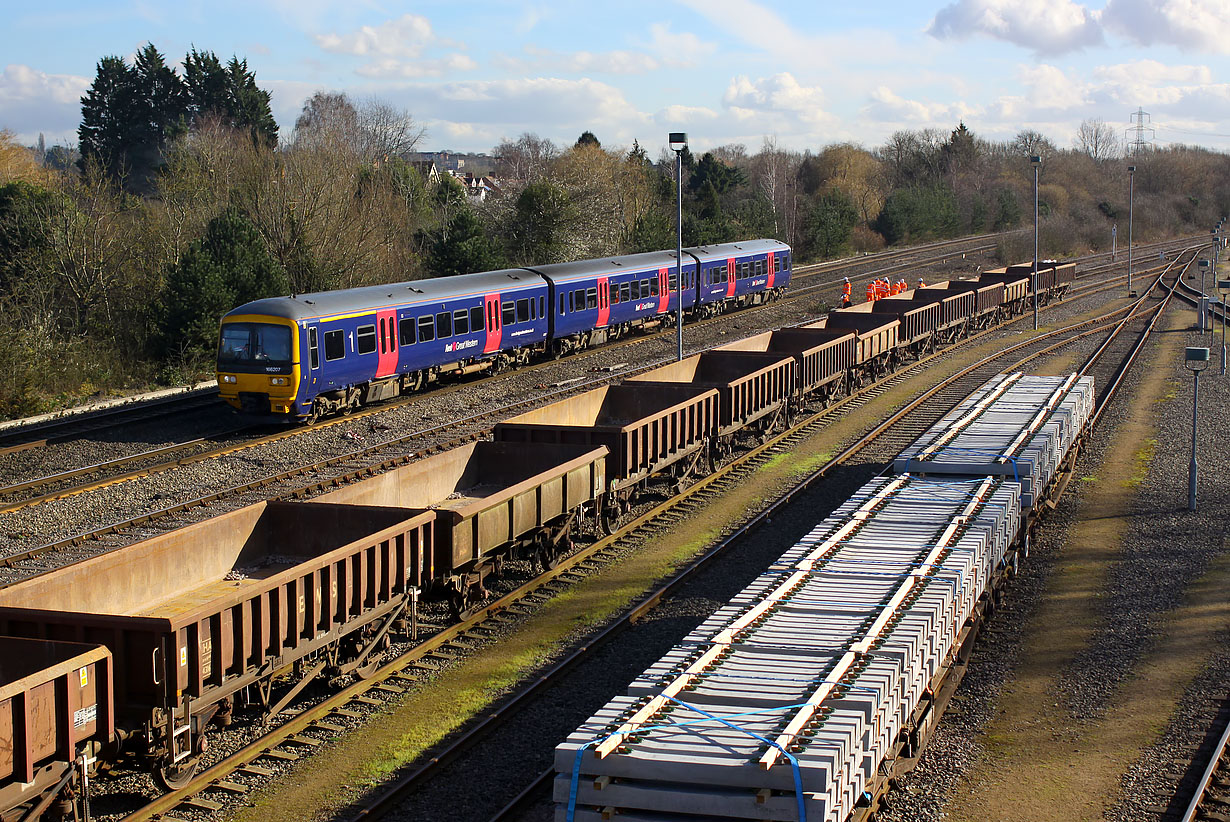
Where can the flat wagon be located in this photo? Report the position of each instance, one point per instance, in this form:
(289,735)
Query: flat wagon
(56,714)
(823,358)
(649,429)
(492,501)
(753,388)
(227,609)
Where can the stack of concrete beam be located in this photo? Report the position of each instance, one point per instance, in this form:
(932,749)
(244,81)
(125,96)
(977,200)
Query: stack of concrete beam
(784,702)
(1015,425)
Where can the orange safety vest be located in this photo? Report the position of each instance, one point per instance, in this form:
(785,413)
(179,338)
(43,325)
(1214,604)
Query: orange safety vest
(921,284)
(871,291)
(845,289)
(896,289)
(882,288)
(904,286)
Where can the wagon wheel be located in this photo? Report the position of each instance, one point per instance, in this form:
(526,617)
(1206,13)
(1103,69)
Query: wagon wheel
(546,552)
(461,603)
(608,518)
(174,777)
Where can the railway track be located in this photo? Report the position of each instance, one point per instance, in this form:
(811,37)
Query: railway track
(879,445)
(340,469)
(62,484)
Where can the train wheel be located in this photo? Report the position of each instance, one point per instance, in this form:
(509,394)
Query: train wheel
(175,777)
(461,603)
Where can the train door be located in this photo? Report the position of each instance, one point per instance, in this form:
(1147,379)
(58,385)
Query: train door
(312,373)
(495,323)
(730,277)
(604,302)
(664,293)
(769,264)
(386,331)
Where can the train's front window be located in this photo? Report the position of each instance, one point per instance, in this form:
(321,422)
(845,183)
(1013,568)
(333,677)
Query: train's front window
(257,344)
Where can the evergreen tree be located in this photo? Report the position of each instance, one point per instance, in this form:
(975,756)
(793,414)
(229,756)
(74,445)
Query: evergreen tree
(228,266)
(463,248)
(249,104)
(542,223)
(107,114)
(829,225)
(587,138)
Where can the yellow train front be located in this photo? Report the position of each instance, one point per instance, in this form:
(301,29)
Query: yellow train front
(258,363)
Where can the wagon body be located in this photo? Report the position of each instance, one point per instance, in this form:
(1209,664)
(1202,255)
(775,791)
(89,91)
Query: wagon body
(486,495)
(55,697)
(750,384)
(822,355)
(647,428)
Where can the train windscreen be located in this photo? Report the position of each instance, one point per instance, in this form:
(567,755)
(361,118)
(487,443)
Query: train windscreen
(254,344)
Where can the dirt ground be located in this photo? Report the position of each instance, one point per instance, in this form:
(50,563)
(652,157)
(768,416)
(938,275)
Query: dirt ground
(1039,762)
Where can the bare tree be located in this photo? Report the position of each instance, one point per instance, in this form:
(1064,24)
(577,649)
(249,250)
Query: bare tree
(1029,143)
(525,159)
(1098,140)
(372,129)
(387,131)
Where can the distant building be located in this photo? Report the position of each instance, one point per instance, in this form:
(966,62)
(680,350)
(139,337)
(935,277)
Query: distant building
(478,187)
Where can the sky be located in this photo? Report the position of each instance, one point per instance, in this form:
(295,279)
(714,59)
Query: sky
(801,74)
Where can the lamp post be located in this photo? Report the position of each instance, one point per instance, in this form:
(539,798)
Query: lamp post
(1195,360)
(678,142)
(1224,287)
(1131,198)
(1213,276)
(1036,161)
(1203,305)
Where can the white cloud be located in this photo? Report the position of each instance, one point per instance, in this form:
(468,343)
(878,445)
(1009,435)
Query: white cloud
(406,36)
(684,115)
(33,101)
(886,106)
(392,68)
(776,96)
(545,61)
(1044,26)
(678,48)
(1188,24)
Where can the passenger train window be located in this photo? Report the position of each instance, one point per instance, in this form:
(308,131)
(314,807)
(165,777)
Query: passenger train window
(523,311)
(509,310)
(759,267)
(476,319)
(542,306)
(672,283)
(461,322)
(427,328)
(561,305)
(365,339)
(405,331)
(653,287)
(579,296)
(646,287)
(444,325)
(591,298)
(613,289)
(313,347)
(625,292)
(335,345)
(777,264)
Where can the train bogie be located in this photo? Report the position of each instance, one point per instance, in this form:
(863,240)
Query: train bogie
(56,714)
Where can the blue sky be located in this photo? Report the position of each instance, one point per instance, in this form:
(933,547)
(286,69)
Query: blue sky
(805,74)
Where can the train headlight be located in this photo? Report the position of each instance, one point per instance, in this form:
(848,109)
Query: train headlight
(277,381)
(228,378)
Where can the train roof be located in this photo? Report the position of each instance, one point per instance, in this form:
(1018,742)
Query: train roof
(588,269)
(348,301)
(723,251)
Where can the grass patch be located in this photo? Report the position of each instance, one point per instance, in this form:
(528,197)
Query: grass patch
(1141,461)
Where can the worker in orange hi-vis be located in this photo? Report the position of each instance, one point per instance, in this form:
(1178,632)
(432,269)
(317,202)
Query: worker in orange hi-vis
(871,291)
(846,290)
(904,285)
(921,284)
(883,288)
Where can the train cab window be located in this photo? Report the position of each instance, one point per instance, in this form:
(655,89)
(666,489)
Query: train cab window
(365,339)
(476,319)
(335,345)
(405,331)
(523,311)
(427,328)
(461,322)
(591,298)
(313,348)
(509,310)
(444,325)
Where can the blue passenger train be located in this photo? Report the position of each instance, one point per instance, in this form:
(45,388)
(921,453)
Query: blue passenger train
(310,355)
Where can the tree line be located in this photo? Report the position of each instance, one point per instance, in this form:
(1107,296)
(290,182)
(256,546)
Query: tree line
(184,201)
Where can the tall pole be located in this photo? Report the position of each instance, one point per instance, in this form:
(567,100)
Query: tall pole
(679,252)
(1131,197)
(1037,161)
(1193,468)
